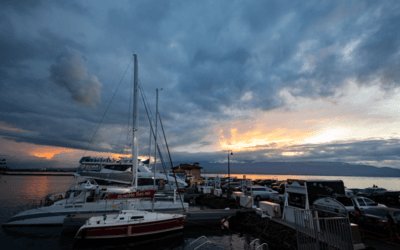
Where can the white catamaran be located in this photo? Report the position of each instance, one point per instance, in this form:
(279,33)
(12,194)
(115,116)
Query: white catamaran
(110,171)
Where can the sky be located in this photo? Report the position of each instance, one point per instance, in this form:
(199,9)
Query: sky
(270,80)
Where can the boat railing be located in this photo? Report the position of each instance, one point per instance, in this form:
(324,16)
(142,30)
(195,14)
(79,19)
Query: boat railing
(191,246)
(203,244)
(51,198)
(263,244)
(254,241)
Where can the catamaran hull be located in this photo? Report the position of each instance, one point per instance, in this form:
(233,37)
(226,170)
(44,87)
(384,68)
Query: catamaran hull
(131,230)
(45,219)
(54,216)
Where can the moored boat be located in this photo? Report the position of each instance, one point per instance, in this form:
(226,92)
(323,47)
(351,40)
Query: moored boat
(130,223)
(82,199)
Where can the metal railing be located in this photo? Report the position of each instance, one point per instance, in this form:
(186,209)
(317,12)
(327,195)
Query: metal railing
(322,233)
(196,240)
(263,244)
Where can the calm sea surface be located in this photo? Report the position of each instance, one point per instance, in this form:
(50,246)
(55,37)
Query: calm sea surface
(18,192)
(349,181)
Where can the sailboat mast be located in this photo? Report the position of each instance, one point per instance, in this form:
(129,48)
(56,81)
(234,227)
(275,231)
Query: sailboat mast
(135,120)
(155,150)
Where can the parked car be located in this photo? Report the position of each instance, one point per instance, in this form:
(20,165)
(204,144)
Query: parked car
(276,184)
(349,193)
(280,189)
(258,181)
(372,193)
(354,190)
(261,192)
(266,182)
(362,202)
(390,197)
(376,218)
(232,184)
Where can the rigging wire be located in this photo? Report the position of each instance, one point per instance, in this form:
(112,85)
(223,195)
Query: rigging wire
(112,98)
(152,130)
(172,166)
(128,119)
(151,118)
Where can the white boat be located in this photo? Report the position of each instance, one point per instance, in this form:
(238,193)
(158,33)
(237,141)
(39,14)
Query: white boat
(110,171)
(130,223)
(80,199)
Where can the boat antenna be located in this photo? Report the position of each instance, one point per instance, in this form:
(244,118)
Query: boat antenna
(135,120)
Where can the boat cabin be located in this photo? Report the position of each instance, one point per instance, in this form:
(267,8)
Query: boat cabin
(300,194)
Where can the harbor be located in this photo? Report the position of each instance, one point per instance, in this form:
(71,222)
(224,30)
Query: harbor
(200,125)
(210,212)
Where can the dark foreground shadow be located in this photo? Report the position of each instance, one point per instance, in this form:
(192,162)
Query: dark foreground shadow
(159,241)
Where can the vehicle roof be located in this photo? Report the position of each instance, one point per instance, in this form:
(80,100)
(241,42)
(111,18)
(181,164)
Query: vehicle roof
(384,208)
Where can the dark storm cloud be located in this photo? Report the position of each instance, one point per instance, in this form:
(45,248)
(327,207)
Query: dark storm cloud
(206,56)
(70,72)
(23,6)
(17,49)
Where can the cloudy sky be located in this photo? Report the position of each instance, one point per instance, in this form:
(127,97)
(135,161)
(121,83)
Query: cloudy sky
(270,80)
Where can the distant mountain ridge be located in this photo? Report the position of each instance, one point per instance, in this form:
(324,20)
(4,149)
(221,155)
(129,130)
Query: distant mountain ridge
(302,168)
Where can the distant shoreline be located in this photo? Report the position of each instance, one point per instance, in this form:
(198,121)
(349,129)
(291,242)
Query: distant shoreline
(383,176)
(36,173)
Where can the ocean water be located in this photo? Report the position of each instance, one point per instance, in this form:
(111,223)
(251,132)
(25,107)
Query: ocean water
(17,193)
(390,183)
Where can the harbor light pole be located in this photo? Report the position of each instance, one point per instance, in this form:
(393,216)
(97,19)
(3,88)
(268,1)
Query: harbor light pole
(229,175)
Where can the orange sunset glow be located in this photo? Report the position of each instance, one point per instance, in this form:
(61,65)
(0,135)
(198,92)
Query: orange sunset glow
(47,151)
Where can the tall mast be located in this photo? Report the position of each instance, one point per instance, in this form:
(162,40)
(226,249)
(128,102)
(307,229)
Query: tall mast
(155,150)
(150,145)
(135,120)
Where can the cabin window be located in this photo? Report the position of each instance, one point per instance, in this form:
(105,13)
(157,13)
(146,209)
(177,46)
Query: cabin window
(118,167)
(297,200)
(369,202)
(145,182)
(136,217)
(361,201)
(122,218)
